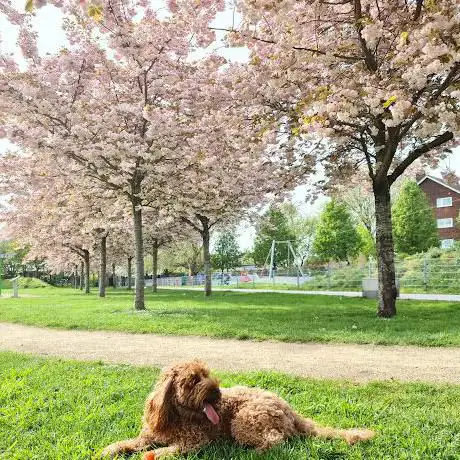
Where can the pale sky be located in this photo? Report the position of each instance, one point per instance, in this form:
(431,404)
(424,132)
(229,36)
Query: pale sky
(51,38)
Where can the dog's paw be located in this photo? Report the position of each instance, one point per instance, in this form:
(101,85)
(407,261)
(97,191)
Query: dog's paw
(110,451)
(355,435)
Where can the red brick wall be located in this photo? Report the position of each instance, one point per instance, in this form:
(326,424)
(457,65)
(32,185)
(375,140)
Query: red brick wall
(434,191)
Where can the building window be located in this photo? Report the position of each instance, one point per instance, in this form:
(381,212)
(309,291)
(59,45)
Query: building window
(444,202)
(447,244)
(446,223)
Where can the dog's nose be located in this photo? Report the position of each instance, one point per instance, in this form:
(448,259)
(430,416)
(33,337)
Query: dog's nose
(214,395)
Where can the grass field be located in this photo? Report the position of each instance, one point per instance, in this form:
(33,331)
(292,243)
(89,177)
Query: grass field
(263,316)
(63,410)
(351,287)
(278,286)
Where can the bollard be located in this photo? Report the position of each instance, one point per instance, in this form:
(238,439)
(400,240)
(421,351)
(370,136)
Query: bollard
(15,283)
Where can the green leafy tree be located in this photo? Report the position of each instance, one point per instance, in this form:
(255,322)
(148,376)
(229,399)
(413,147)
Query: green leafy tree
(227,253)
(182,256)
(336,237)
(368,248)
(13,265)
(273,226)
(414,224)
(247,257)
(303,228)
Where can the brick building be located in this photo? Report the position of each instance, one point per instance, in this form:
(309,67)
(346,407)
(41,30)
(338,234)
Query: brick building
(445,200)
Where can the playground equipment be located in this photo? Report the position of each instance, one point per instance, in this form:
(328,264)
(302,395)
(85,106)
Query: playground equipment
(272,257)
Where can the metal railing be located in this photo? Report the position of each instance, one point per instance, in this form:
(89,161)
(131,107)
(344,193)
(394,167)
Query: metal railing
(424,275)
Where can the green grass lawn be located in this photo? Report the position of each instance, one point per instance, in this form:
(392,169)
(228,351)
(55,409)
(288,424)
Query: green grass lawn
(346,287)
(285,317)
(63,410)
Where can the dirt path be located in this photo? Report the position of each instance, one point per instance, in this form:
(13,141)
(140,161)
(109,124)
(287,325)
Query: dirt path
(358,363)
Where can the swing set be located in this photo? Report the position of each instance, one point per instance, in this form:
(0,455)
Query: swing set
(272,268)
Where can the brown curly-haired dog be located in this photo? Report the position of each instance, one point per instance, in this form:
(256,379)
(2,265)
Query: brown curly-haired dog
(187,410)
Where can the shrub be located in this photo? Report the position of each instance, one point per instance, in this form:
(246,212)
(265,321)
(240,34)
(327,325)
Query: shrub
(25,283)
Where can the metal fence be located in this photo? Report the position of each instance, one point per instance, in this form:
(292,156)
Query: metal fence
(424,275)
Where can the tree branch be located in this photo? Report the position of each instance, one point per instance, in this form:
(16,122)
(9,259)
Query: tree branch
(368,157)
(297,48)
(418,152)
(75,94)
(369,57)
(442,87)
(192,224)
(418,10)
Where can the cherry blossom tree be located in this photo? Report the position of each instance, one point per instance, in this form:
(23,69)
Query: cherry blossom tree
(109,103)
(162,228)
(228,171)
(121,246)
(54,201)
(42,213)
(373,83)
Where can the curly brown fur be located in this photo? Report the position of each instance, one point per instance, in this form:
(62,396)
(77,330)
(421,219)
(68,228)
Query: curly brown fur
(175,417)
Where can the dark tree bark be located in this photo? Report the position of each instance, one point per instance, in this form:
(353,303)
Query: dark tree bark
(87,270)
(205,231)
(130,273)
(382,181)
(139,299)
(114,277)
(103,266)
(75,281)
(155,247)
(82,275)
(206,236)
(385,250)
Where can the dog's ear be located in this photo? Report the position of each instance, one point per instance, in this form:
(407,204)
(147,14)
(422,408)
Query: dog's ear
(159,409)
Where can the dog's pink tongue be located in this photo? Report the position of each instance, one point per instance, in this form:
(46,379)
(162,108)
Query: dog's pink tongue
(211,414)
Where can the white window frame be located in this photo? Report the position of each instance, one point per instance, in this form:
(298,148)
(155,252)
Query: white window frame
(441,202)
(447,243)
(448,222)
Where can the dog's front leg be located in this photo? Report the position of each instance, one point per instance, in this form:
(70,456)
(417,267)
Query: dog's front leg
(144,440)
(162,452)
(175,449)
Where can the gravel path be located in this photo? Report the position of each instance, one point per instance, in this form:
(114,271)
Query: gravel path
(359,363)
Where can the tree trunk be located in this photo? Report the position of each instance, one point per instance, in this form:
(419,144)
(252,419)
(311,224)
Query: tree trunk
(114,279)
(75,281)
(103,266)
(205,234)
(87,280)
(385,250)
(130,273)
(139,302)
(82,274)
(155,266)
